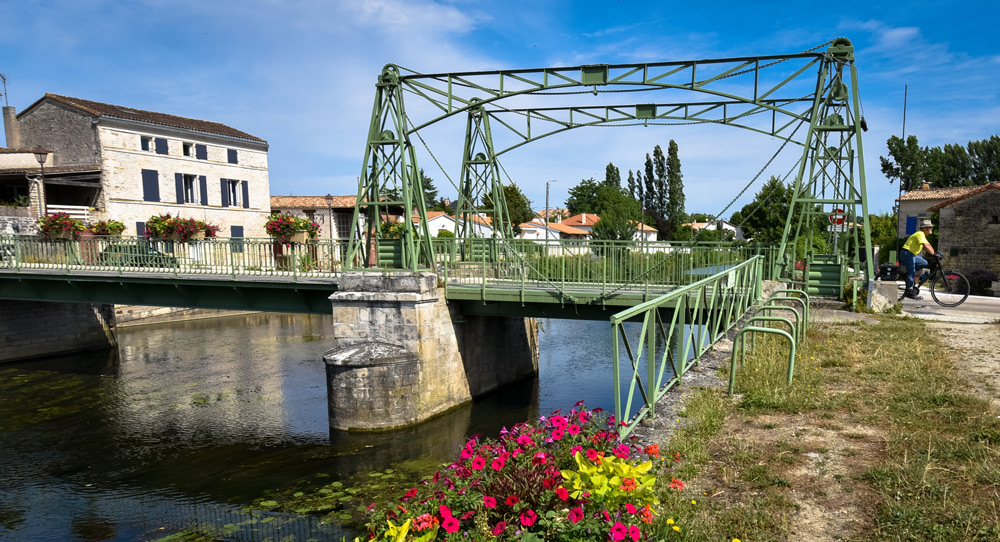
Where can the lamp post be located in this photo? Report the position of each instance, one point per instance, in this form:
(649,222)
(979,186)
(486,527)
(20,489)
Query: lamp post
(547,183)
(41,154)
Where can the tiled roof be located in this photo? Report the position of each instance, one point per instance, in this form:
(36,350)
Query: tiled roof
(968,194)
(561,227)
(108,110)
(53,170)
(311,202)
(582,219)
(936,193)
(644,227)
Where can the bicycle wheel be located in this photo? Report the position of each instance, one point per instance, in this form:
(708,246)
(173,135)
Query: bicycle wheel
(950,289)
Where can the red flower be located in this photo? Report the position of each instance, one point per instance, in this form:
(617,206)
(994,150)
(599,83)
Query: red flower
(573,429)
(478,463)
(411,493)
(634,533)
(575,514)
(539,459)
(425,521)
(450,524)
(628,485)
(528,518)
(489,502)
(563,494)
(498,464)
(499,529)
(631,509)
(676,484)
(557,434)
(653,450)
(607,516)
(646,515)
(618,531)
(622,451)
(512,500)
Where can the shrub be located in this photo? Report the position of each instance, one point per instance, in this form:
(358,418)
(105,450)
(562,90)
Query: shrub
(980,280)
(562,478)
(282,226)
(107,227)
(53,224)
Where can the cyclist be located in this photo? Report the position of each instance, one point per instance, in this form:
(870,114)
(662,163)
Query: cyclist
(909,256)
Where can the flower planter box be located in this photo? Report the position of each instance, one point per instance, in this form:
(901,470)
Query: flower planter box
(299,237)
(59,234)
(198,236)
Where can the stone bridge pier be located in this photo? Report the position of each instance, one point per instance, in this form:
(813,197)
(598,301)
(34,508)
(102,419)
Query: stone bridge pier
(403,353)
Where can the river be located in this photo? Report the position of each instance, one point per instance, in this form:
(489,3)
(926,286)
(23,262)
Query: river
(187,423)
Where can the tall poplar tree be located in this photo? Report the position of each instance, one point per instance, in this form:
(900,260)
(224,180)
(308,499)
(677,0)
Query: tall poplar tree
(674,211)
(612,176)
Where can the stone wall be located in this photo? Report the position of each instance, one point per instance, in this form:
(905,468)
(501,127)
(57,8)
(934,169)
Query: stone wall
(65,130)
(403,353)
(17,220)
(969,233)
(124,160)
(33,329)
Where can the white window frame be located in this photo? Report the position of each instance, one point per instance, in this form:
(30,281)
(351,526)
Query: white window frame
(191,186)
(150,144)
(235,192)
(187,149)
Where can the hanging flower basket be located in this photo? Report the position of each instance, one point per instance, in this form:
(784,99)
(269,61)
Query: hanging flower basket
(286,228)
(60,226)
(180,230)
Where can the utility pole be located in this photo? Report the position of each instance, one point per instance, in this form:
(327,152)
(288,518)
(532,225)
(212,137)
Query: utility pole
(547,183)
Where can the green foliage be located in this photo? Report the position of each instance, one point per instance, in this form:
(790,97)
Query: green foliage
(518,206)
(906,162)
(605,480)
(763,219)
(673,210)
(107,227)
(583,197)
(281,226)
(977,163)
(17,201)
(445,233)
(619,214)
(612,175)
(54,224)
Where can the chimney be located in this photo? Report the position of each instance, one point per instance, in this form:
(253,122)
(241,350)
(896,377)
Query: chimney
(10,127)
(925,185)
(583,218)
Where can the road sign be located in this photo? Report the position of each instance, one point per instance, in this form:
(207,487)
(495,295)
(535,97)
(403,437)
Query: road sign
(837,217)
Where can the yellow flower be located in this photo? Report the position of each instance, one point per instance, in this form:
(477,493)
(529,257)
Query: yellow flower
(736,540)
(670,521)
(676,528)
(694,502)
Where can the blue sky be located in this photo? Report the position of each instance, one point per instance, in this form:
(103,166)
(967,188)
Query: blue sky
(301,74)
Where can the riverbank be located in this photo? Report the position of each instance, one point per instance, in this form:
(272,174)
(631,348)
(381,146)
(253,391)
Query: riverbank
(871,440)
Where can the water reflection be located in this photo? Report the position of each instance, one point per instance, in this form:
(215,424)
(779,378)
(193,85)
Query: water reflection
(188,422)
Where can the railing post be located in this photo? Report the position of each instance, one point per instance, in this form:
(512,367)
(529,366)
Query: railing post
(615,379)
(651,387)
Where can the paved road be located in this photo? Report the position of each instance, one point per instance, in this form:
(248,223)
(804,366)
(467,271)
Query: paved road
(975,310)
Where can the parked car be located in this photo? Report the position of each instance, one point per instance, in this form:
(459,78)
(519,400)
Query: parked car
(141,254)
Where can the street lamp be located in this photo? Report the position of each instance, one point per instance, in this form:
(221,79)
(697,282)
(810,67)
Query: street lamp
(41,154)
(547,183)
(329,207)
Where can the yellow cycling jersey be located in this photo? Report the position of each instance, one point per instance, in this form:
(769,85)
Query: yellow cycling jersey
(916,242)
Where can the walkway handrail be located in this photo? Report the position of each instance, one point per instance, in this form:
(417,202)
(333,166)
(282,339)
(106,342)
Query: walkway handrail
(237,256)
(799,329)
(740,335)
(713,305)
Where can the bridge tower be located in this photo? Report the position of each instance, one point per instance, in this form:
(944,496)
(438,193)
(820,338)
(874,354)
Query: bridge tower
(389,187)
(829,198)
(481,192)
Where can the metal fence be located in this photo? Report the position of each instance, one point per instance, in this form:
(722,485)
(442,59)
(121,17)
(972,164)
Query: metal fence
(677,328)
(214,256)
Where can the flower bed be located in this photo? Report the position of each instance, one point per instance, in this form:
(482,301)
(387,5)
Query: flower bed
(566,477)
(170,228)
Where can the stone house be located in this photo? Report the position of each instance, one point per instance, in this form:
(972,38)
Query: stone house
(714,225)
(969,229)
(337,211)
(916,205)
(143,163)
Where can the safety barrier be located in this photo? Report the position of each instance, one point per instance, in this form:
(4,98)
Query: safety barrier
(677,329)
(795,334)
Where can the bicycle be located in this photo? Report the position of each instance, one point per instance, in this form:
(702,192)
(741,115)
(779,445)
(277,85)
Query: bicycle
(948,288)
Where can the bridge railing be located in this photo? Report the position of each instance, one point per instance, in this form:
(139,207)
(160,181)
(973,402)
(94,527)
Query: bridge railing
(605,266)
(237,256)
(676,329)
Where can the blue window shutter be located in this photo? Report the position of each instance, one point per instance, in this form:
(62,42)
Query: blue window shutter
(201,152)
(233,158)
(179,182)
(140,229)
(161,145)
(236,232)
(203,188)
(911,225)
(225,192)
(144,143)
(150,185)
(246,194)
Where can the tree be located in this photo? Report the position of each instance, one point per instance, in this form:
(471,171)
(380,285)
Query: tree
(583,197)
(985,158)
(906,163)
(430,191)
(674,205)
(631,184)
(661,195)
(518,206)
(612,175)
(619,214)
(763,219)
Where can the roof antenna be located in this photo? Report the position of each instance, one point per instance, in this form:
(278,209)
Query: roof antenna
(4,93)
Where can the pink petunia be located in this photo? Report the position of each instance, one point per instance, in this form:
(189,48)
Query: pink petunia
(478,463)
(450,524)
(528,518)
(575,450)
(631,509)
(618,531)
(575,514)
(512,500)
(500,528)
(563,494)
(498,464)
(490,502)
(573,429)
(634,533)
(557,434)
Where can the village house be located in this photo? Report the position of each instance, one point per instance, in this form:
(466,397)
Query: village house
(332,213)
(969,229)
(714,225)
(916,205)
(127,164)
